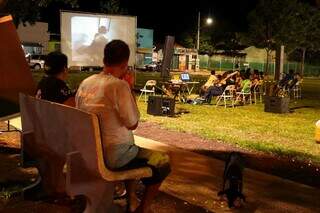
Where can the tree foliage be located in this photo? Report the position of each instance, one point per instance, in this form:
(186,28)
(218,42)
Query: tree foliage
(28,11)
(292,23)
(307,31)
(269,23)
(187,39)
(112,7)
(212,40)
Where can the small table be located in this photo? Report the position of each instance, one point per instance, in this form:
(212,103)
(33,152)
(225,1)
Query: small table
(181,90)
(192,84)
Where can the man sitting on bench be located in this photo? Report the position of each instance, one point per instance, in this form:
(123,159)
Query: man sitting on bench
(109,96)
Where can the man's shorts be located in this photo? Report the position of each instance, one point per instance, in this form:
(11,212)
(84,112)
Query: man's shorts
(158,162)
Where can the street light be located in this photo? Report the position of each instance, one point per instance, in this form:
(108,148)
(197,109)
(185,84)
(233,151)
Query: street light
(209,21)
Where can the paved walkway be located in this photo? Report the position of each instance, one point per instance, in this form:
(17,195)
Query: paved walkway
(197,179)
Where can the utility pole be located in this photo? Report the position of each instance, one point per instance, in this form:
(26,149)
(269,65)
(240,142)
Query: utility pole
(198,35)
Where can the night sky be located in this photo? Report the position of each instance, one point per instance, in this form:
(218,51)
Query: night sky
(169,17)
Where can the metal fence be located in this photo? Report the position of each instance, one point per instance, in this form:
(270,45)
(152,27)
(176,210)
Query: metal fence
(228,63)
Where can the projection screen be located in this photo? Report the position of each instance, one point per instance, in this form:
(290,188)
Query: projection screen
(84,35)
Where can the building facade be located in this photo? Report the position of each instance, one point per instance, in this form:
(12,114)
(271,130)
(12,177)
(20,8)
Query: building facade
(34,38)
(185,59)
(144,53)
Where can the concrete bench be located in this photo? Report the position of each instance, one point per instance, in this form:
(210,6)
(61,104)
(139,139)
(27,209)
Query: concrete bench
(56,134)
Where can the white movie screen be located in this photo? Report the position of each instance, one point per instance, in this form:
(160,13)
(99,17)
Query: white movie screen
(83,36)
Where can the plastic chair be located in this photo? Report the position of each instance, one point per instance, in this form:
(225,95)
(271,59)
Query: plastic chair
(149,87)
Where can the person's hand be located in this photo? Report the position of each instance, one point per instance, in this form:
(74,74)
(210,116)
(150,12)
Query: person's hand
(129,77)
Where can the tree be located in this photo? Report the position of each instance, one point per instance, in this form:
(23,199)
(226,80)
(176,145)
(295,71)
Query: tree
(211,40)
(187,40)
(112,7)
(206,44)
(307,31)
(24,11)
(270,23)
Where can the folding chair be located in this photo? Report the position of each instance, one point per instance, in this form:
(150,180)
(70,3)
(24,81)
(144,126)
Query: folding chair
(243,94)
(149,87)
(297,90)
(228,94)
(258,91)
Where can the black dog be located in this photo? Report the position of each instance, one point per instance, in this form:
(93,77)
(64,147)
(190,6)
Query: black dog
(233,176)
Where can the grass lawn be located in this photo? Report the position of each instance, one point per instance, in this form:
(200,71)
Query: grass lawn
(250,127)
(246,126)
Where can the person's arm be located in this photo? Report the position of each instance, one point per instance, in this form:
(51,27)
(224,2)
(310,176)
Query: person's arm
(230,75)
(70,102)
(127,107)
(134,126)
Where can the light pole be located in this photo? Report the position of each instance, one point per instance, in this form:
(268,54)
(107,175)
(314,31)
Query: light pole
(198,35)
(208,22)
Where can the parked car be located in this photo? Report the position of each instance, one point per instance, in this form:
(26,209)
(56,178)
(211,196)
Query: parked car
(153,66)
(36,62)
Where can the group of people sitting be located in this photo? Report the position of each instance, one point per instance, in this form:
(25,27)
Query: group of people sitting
(109,95)
(244,81)
(290,80)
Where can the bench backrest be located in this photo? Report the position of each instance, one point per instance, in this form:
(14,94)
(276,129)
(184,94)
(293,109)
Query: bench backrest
(15,75)
(62,129)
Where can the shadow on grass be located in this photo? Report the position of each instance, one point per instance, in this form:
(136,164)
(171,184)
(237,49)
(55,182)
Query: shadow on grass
(302,107)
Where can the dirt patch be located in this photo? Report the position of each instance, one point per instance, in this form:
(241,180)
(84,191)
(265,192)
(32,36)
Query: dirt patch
(300,171)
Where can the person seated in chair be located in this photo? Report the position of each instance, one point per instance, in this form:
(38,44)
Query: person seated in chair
(246,83)
(52,87)
(255,80)
(287,78)
(245,86)
(110,97)
(210,82)
(219,86)
(296,78)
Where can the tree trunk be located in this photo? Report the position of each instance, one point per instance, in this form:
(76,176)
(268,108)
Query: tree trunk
(302,61)
(279,63)
(267,67)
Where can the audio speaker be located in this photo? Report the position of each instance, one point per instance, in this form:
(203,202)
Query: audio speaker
(158,105)
(167,57)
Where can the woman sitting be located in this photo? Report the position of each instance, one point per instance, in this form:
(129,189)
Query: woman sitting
(245,88)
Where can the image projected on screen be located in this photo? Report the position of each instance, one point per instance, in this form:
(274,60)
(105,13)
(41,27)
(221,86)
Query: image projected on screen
(84,36)
(87,45)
